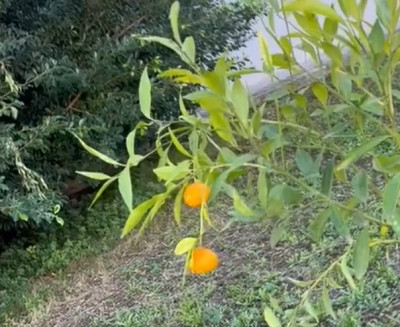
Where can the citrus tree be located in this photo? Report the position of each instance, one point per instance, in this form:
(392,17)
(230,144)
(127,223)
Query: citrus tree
(300,155)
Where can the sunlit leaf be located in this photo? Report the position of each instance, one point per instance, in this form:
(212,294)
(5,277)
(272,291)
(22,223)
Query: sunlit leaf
(330,28)
(240,100)
(178,145)
(173,17)
(173,172)
(387,164)
(189,49)
(94,175)
(136,215)
(270,318)
(185,245)
(265,53)
(145,94)
(222,127)
(333,52)
(313,7)
(321,92)
(125,186)
(130,143)
(350,8)
(102,189)
(361,151)
(361,254)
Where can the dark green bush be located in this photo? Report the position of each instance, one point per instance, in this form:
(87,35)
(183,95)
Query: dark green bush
(76,67)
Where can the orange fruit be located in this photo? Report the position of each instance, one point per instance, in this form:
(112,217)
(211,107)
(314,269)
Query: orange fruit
(203,261)
(195,193)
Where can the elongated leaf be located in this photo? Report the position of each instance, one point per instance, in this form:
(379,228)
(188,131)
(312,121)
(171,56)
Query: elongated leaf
(327,178)
(265,54)
(316,228)
(360,185)
(172,172)
(338,219)
(391,195)
(96,153)
(327,302)
(330,28)
(241,206)
(166,43)
(377,37)
(360,151)
(311,310)
(350,8)
(306,164)
(177,144)
(333,52)
(136,215)
(361,254)
(240,100)
(346,273)
(277,233)
(94,175)
(173,17)
(102,189)
(189,49)
(312,7)
(125,186)
(130,143)
(270,318)
(262,188)
(321,92)
(178,206)
(222,127)
(145,94)
(185,245)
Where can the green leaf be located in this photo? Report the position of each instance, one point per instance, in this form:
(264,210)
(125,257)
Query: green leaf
(387,164)
(173,17)
(96,153)
(178,206)
(327,178)
(189,49)
(277,233)
(327,302)
(130,143)
(222,127)
(361,254)
(350,8)
(330,28)
(219,182)
(360,185)
(102,189)
(173,172)
(167,43)
(177,144)
(306,164)
(216,82)
(377,38)
(125,186)
(240,100)
(338,219)
(185,245)
(317,226)
(346,273)
(383,12)
(360,151)
(321,92)
(241,206)
(94,175)
(270,318)
(312,7)
(136,215)
(262,188)
(310,310)
(145,94)
(390,196)
(265,53)
(333,52)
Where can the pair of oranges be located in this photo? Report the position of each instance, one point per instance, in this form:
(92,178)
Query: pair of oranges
(203,260)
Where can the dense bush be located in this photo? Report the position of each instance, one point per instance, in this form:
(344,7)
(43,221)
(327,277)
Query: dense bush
(74,65)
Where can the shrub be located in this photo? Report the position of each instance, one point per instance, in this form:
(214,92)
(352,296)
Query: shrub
(74,66)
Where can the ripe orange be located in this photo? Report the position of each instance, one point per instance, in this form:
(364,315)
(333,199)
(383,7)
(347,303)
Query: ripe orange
(195,194)
(203,261)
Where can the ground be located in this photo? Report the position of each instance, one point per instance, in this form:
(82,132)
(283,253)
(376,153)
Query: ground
(141,284)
